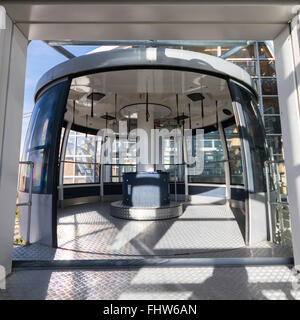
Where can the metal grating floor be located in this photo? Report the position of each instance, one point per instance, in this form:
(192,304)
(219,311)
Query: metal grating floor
(90,228)
(89,232)
(263,282)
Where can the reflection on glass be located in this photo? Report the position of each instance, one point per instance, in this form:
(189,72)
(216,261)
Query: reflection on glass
(249,66)
(213,161)
(272,124)
(41,136)
(271,105)
(213,51)
(244,53)
(263,51)
(267,68)
(275,144)
(234,154)
(256,138)
(269,86)
(82,159)
(117,172)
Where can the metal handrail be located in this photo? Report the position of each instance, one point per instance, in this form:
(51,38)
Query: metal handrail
(119,164)
(273,161)
(80,162)
(29,203)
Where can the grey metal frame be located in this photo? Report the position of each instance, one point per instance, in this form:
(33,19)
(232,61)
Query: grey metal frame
(240,124)
(139,58)
(29,202)
(159,58)
(226,161)
(62,161)
(253,197)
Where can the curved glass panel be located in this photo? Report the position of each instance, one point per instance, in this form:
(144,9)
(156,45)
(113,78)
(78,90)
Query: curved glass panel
(257,140)
(42,139)
(103,99)
(213,171)
(233,141)
(254,137)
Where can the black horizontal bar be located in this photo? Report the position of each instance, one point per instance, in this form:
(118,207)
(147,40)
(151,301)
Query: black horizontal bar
(149,262)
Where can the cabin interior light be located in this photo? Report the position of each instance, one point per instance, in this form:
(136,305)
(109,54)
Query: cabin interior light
(196,96)
(227,112)
(96,96)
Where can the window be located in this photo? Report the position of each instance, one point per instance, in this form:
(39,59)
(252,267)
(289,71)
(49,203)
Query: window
(256,138)
(271,105)
(244,53)
(272,124)
(207,144)
(234,154)
(263,51)
(213,169)
(267,68)
(249,66)
(82,159)
(275,144)
(269,86)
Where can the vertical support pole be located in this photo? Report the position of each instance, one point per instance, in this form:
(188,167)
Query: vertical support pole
(102,167)
(13,49)
(30,202)
(260,99)
(145,122)
(287,53)
(226,162)
(62,163)
(186,173)
(255,222)
(267,168)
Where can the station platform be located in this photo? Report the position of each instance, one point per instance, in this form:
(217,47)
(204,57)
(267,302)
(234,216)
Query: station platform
(200,255)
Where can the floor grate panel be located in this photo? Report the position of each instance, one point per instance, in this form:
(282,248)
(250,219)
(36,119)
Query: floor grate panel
(89,232)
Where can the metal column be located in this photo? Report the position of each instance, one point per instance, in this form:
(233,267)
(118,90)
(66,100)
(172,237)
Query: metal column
(287,54)
(62,163)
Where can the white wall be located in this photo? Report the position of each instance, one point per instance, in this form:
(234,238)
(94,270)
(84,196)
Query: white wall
(13,49)
(288,78)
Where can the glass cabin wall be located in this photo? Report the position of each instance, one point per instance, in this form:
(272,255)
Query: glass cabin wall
(42,148)
(82,160)
(213,171)
(81,163)
(42,140)
(233,142)
(254,155)
(258,60)
(253,135)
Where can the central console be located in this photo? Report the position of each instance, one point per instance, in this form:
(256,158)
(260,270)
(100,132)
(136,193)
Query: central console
(146,197)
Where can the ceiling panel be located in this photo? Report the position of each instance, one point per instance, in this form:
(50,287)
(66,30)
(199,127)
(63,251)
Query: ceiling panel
(236,20)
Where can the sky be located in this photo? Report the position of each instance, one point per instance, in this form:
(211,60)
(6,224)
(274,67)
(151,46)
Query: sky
(41,58)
